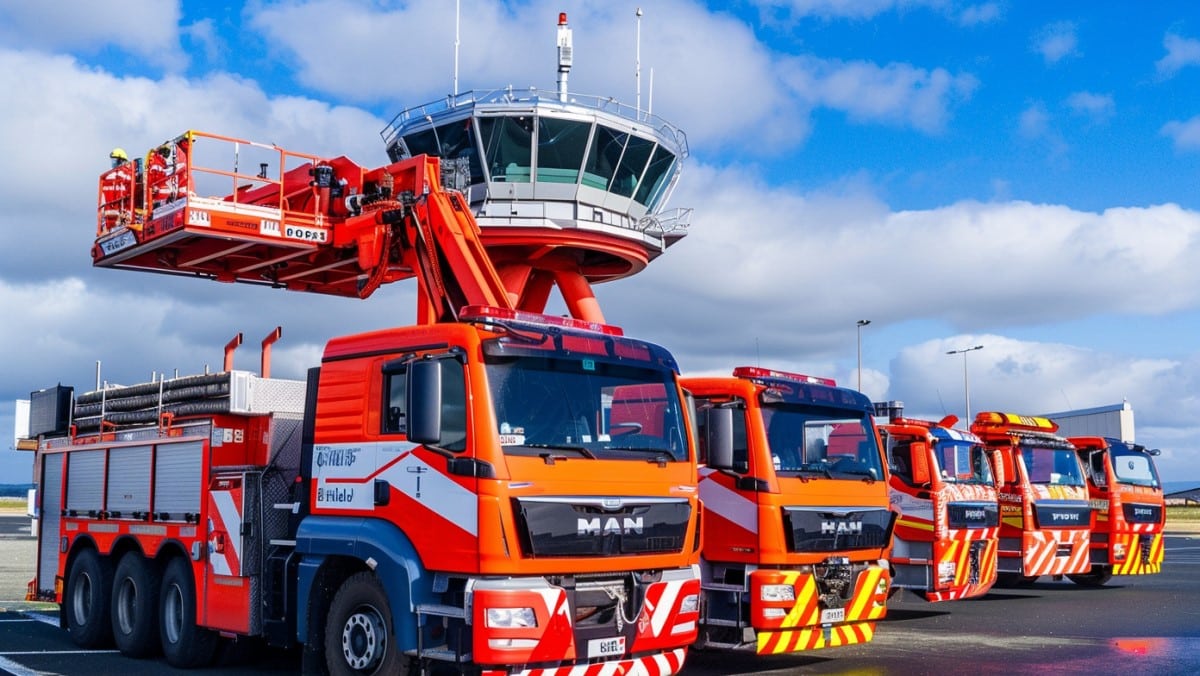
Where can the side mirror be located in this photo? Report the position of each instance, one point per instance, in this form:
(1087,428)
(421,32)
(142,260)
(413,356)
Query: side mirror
(424,402)
(718,437)
(920,462)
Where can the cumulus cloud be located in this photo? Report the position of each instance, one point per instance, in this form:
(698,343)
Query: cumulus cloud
(147,29)
(792,10)
(1056,42)
(1181,53)
(897,93)
(1185,134)
(1098,108)
(975,15)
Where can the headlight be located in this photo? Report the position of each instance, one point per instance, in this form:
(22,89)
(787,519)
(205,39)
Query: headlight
(690,603)
(510,618)
(777,592)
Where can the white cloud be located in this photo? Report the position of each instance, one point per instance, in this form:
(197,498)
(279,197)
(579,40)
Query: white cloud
(1098,107)
(975,15)
(897,93)
(1056,42)
(1185,134)
(842,9)
(1181,53)
(148,29)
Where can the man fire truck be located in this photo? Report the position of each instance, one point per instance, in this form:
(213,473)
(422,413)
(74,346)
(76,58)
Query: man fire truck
(1128,511)
(796,519)
(454,494)
(1044,513)
(947,533)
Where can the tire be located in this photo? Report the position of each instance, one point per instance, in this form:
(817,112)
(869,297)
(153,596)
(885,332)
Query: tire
(86,600)
(359,635)
(135,606)
(185,644)
(1097,577)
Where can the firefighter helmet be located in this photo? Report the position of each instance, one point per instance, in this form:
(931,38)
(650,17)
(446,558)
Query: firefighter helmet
(119,155)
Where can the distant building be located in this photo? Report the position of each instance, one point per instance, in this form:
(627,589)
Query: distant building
(1188,497)
(1114,421)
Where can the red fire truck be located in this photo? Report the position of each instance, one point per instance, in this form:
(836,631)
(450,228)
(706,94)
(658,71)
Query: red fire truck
(455,494)
(1128,511)
(796,520)
(1044,512)
(946,538)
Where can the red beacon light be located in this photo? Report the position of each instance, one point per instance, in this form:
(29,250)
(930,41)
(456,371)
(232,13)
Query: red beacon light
(758,372)
(489,314)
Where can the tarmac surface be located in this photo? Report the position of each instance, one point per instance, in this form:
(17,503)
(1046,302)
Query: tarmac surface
(1134,625)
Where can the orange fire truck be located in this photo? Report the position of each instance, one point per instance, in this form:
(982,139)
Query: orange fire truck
(458,494)
(945,542)
(1128,511)
(796,520)
(1044,512)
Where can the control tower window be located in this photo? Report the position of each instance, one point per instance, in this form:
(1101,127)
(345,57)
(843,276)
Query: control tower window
(452,141)
(508,147)
(651,187)
(605,155)
(561,145)
(633,163)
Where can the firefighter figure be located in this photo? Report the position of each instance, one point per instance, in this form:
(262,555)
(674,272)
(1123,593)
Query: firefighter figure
(117,192)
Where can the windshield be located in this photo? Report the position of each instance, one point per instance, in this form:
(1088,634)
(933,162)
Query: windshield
(1053,466)
(1133,467)
(962,462)
(586,408)
(822,441)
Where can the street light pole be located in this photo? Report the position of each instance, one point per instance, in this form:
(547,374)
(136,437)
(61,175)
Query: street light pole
(861,324)
(966,382)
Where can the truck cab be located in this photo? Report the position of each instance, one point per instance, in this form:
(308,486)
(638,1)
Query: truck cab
(796,521)
(947,534)
(1044,510)
(1128,511)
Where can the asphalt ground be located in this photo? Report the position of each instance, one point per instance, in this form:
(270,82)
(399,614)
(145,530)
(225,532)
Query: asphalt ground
(1132,626)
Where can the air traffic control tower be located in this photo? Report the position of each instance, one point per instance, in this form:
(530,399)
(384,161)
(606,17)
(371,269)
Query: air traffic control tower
(568,190)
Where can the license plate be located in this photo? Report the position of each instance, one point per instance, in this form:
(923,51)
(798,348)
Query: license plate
(114,244)
(606,647)
(829,615)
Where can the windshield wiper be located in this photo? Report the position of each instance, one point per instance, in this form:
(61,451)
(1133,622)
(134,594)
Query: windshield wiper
(563,447)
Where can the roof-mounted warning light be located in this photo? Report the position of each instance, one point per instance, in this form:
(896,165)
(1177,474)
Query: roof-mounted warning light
(487,314)
(758,372)
(1026,422)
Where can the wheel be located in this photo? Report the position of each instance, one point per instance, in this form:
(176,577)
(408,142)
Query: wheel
(184,643)
(86,600)
(1097,577)
(358,630)
(135,605)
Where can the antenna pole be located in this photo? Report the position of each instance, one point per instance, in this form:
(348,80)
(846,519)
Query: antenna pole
(565,55)
(457,4)
(637,75)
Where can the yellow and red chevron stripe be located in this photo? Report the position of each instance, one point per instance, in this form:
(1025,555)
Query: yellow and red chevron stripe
(1134,563)
(801,628)
(812,638)
(957,549)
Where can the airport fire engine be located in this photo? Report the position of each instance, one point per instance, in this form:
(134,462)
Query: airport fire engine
(1128,511)
(491,490)
(947,533)
(1044,512)
(796,520)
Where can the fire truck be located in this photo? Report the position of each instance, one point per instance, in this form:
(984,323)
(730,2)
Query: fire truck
(459,494)
(796,520)
(1128,511)
(1044,510)
(947,533)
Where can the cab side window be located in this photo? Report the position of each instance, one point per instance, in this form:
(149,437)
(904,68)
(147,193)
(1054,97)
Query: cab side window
(741,449)
(454,402)
(900,461)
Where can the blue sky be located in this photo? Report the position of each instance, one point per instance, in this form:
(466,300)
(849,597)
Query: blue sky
(1017,175)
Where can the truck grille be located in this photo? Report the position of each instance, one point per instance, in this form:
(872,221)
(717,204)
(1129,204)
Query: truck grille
(587,526)
(816,530)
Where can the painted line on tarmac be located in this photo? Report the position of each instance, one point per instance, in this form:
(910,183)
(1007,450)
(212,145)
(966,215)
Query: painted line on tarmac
(43,618)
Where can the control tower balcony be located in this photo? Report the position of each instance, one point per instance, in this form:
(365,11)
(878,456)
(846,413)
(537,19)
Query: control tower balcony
(557,182)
